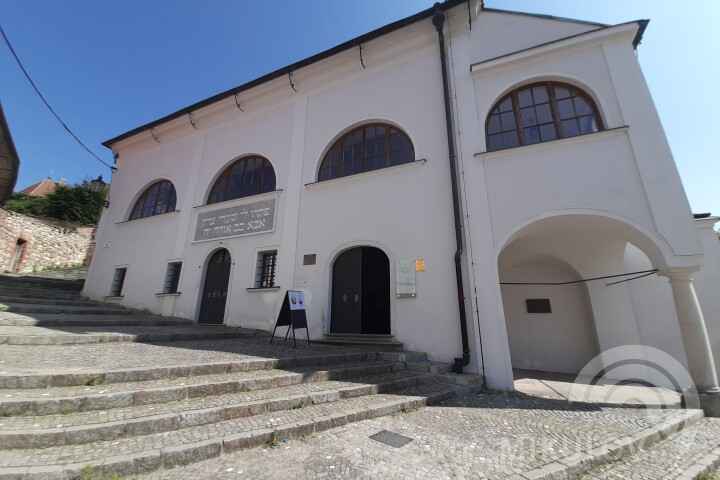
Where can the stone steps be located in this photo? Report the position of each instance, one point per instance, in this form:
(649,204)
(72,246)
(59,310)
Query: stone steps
(74,320)
(688,454)
(39,282)
(87,427)
(38,293)
(121,333)
(173,388)
(148,453)
(44,300)
(69,309)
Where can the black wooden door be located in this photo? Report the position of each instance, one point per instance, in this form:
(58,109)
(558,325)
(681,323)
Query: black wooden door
(215,291)
(346,313)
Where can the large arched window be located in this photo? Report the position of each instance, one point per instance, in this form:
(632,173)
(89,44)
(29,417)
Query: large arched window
(538,113)
(245,177)
(158,198)
(366,148)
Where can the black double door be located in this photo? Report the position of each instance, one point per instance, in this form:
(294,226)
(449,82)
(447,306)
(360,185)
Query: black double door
(361,292)
(215,291)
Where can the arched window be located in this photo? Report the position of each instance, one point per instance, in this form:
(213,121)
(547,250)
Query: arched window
(538,113)
(245,177)
(367,148)
(158,198)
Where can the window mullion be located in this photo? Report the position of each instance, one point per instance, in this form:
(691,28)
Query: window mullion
(555,110)
(518,119)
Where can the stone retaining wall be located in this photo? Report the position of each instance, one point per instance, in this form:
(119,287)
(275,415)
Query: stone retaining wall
(42,243)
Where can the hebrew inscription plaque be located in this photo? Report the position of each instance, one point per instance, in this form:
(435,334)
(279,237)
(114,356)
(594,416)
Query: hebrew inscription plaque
(247,219)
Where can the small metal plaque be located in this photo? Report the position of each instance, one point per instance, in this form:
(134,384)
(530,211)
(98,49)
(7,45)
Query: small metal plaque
(390,438)
(309,259)
(538,305)
(246,219)
(419,265)
(405,278)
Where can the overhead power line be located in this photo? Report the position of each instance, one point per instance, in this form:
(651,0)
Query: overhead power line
(17,59)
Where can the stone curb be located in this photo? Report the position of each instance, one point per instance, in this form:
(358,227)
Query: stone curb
(148,396)
(706,465)
(581,462)
(141,374)
(25,439)
(16,320)
(70,310)
(178,455)
(70,339)
(75,301)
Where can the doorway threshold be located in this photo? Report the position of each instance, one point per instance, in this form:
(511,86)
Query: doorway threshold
(386,343)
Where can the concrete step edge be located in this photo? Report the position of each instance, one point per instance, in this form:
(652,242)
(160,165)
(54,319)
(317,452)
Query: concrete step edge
(32,381)
(177,455)
(150,424)
(150,394)
(576,464)
(73,302)
(10,320)
(77,339)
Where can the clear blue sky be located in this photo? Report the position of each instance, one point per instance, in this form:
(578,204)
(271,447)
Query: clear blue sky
(108,67)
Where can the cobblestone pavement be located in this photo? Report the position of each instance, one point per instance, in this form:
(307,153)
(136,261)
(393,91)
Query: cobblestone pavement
(479,436)
(668,458)
(26,359)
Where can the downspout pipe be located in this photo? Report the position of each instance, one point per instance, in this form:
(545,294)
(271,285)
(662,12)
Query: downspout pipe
(439,21)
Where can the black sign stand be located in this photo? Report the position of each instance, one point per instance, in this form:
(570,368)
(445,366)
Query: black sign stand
(292,318)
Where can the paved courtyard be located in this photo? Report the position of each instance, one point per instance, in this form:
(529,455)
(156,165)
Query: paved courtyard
(479,436)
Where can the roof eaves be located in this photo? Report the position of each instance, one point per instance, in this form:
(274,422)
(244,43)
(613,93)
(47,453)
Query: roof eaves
(546,17)
(289,68)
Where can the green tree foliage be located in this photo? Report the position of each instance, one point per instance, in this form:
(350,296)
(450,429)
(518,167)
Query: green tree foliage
(76,203)
(26,204)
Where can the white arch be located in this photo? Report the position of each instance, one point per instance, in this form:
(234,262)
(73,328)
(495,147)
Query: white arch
(647,240)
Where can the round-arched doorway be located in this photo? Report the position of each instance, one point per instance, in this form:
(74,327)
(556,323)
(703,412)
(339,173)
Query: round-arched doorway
(361,292)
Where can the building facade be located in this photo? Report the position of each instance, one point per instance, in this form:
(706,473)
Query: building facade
(334,176)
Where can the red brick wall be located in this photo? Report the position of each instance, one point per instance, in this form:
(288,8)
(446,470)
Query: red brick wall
(50,243)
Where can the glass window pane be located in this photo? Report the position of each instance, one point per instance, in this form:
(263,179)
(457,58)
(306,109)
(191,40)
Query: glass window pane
(581,106)
(532,135)
(561,93)
(547,132)
(565,107)
(495,142)
(528,117)
(401,157)
(506,105)
(540,94)
(544,113)
(524,98)
(570,128)
(588,124)
(511,139)
(508,121)
(493,124)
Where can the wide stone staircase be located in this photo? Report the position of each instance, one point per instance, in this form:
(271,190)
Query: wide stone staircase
(95,391)
(86,383)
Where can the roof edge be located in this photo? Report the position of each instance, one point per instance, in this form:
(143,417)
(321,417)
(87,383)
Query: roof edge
(352,43)
(547,17)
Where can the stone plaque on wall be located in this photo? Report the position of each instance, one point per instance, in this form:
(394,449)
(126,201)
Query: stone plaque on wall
(246,219)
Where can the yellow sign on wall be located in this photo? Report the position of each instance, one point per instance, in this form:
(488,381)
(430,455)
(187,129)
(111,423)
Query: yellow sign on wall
(420,265)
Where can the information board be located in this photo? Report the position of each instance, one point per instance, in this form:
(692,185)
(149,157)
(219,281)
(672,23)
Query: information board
(405,278)
(292,315)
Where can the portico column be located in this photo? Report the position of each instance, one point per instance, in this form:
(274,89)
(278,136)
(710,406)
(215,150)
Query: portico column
(693,331)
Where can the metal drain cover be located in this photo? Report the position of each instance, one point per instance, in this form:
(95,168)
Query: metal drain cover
(391,438)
